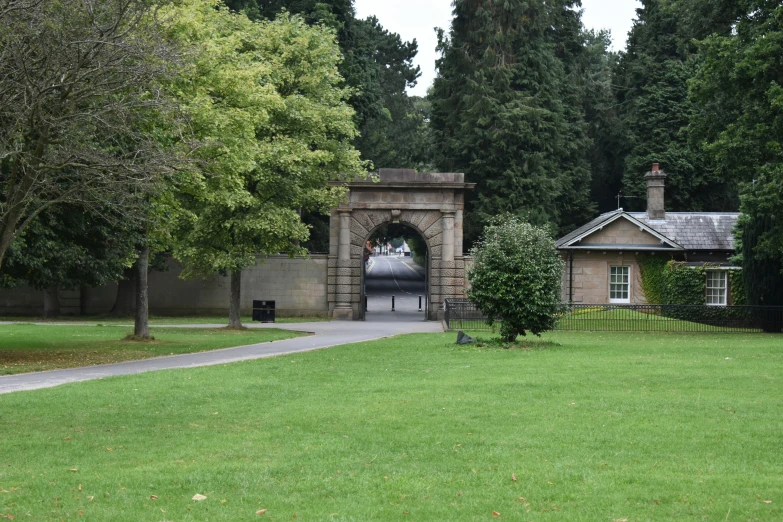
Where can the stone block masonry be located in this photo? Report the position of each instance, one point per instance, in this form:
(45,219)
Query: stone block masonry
(298,286)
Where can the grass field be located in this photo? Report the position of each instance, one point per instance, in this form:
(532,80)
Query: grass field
(154,320)
(30,348)
(585,427)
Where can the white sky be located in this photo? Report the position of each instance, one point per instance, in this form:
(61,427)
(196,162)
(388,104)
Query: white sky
(418,18)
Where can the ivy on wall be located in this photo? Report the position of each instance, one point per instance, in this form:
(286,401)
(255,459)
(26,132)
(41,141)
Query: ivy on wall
(653,283)
(737,288)
(673,282)
(683,284)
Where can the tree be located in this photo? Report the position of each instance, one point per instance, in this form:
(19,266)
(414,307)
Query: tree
(516,277)
(66,247)
(601,116)
(739,92)
(264,101)
(656,112)
(77,81)
(377,66)
(506,112)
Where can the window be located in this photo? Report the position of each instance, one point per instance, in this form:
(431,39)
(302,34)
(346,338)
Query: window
(620,284)
(716,287)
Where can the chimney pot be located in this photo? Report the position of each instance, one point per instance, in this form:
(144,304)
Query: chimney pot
(655,187)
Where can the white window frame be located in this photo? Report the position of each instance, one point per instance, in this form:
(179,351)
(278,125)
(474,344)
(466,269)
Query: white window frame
(724,280)
(628,283)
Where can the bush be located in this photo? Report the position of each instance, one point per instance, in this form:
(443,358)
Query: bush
(516,277)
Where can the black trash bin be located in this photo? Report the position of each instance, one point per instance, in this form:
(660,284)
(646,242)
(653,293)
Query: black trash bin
(264,311)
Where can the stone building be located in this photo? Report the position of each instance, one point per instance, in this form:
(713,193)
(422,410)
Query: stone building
(602,257)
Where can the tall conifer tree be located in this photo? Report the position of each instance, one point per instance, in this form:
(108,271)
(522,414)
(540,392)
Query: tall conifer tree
(505,110)
(655,109)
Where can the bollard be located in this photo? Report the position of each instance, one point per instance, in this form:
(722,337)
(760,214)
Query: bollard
(365,302)
(392,303)
(420,304)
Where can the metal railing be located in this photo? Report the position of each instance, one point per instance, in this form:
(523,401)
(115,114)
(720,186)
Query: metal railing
(461,314)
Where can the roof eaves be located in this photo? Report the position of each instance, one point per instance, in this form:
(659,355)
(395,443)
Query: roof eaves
(611,218)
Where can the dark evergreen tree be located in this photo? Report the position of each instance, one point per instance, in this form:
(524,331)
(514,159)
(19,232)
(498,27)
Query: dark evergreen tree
(762,272)
(507,111)
(600,112)
(655,109)
(740,97)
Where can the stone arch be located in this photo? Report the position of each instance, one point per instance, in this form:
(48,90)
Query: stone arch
(432,204)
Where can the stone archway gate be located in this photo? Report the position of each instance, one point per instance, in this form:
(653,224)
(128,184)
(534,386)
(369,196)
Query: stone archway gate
(430,203)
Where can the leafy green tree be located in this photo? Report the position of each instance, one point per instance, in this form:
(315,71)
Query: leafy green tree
(77,84)
(655,109)
(264,101)
(66,247)
(377,66)
(506,112)
(738,89)
(516,277)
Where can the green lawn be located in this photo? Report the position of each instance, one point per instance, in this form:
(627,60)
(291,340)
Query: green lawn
(593,427)
(30,348)
(159,320)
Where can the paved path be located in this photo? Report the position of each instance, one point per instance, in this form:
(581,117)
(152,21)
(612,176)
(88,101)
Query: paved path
(326,334)
(400,277)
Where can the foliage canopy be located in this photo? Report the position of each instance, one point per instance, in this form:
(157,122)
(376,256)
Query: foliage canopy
(516,277)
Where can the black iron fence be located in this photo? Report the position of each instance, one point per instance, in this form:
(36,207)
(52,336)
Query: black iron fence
(461,314)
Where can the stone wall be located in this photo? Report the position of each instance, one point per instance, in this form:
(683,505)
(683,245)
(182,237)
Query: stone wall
(298,287)
(591,276)
(621,232)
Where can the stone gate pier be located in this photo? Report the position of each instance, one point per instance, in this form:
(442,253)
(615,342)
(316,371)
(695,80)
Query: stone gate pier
(430,203)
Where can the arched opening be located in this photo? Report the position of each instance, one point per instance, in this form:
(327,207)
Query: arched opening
(395,277)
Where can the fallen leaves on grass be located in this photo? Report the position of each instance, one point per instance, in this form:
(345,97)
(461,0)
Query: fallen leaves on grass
(153,497)
(767,501)
(496,514)
(260,511)
(199,497)
(513,477)
(74,469)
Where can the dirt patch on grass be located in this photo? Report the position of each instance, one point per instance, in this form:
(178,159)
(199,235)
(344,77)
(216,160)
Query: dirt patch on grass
(11,361)
(136,339)
(519,344)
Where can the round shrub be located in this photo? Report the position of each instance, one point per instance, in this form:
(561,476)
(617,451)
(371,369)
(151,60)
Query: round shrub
(516,277)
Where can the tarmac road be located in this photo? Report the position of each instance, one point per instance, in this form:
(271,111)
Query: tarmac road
(400,277)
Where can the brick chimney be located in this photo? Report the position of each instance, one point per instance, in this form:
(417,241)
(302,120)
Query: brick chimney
(655,182)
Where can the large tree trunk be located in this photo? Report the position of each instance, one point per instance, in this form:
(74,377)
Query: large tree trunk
(7,233)
(234,317)
(142,325)
(51,302)
(125,302)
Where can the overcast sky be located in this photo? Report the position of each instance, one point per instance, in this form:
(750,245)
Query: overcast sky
(418,18)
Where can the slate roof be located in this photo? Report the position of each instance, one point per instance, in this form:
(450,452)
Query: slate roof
(691,230)
(695,230)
